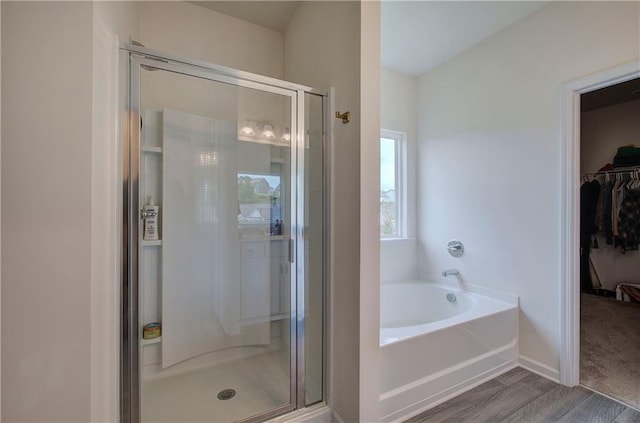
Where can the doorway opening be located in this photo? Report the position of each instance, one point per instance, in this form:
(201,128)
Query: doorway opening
(588,346)
(609,241)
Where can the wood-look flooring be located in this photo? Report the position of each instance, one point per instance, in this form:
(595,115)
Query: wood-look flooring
(521,396)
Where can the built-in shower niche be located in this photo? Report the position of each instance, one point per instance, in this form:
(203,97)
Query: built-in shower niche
(261,237)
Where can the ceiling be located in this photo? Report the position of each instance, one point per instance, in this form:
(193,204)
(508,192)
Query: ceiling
(416,35)
(419,35)
(274,15)
(615,94)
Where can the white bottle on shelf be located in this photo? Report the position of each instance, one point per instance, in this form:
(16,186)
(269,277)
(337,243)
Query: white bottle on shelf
(150,213)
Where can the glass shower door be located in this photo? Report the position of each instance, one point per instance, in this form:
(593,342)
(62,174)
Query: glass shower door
(216,157)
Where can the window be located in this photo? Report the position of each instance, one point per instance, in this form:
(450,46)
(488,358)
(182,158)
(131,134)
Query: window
(392,184)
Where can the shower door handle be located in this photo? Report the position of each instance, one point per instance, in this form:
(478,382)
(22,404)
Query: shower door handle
(291,251)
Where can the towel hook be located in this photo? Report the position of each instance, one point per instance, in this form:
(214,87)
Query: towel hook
(346,116)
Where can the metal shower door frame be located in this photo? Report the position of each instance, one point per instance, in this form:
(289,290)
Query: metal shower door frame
(137,57)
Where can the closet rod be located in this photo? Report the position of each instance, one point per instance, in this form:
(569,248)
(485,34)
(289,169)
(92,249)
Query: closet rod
(614,171)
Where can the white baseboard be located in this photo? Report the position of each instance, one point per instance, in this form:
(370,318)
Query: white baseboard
(451,392)
(428,403)
(337,418)
(539,368)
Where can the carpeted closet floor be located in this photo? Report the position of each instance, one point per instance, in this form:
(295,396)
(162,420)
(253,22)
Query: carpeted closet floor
(610,348)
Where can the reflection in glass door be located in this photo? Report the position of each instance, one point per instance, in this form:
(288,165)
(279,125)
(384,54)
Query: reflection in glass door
(215,281)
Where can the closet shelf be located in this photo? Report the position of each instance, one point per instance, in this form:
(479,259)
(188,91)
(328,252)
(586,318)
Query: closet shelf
(151,149)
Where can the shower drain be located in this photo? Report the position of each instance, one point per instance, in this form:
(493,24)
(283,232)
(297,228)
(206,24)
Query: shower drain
(226,394)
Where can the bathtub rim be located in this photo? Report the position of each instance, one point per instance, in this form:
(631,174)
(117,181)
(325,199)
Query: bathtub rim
(457,284)
(501,301)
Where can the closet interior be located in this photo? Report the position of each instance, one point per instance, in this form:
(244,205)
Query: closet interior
(610,241)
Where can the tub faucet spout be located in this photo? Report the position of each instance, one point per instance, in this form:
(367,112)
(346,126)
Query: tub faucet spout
(450,272)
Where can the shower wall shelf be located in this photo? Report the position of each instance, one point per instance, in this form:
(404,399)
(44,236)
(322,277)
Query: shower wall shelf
(263,238)
(264,261)
(150,294)
(147,342)
(151,149)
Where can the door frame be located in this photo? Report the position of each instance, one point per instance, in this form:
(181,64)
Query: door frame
(137,57)
(570,212)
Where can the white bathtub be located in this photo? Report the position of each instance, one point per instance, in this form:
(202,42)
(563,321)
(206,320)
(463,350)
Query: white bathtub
(433,349)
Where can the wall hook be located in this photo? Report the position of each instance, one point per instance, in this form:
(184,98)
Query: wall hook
(346,116)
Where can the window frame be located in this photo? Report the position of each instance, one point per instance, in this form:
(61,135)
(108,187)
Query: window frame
(401,181)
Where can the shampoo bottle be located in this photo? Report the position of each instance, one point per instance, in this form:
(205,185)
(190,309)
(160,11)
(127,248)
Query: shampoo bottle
(150,212)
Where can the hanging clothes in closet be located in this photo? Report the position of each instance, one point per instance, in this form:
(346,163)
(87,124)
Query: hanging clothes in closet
(589,196)
(607,223)
(628,218)
(619,204)
(625,215)
(617,219)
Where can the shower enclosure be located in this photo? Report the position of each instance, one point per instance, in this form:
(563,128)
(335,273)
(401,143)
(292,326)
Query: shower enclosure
(223,311)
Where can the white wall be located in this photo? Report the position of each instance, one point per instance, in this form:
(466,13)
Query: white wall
(399,112)
(602,131)
(489,151)
(369,319)
(59,103)
(194,32)
(0,215)
(50,191)
(323,56)
(46,210)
